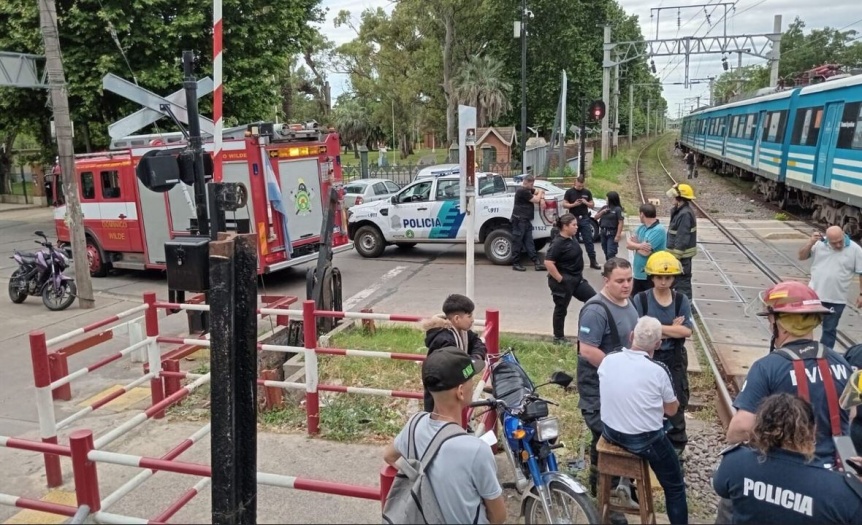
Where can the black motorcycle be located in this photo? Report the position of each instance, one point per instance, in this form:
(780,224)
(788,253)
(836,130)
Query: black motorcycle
(41,273)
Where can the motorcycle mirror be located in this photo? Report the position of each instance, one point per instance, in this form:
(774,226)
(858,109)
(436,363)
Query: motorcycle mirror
(40,233)
(562,379)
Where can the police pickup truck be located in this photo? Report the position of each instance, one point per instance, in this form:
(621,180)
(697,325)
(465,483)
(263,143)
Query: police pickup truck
(428,211)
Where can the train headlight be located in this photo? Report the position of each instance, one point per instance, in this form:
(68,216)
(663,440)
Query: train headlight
(547,429)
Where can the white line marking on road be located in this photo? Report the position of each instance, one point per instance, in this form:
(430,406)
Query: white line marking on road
(364,294)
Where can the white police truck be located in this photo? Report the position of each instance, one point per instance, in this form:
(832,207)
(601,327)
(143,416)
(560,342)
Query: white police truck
(428,211)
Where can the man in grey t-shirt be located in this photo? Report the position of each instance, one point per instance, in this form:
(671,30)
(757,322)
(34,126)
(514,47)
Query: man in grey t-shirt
(600,332)
(464,473)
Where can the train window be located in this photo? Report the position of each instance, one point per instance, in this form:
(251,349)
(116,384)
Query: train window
(88,186)
(765,135)
(776,126)
(750,129)
(110,184)
(850,132)
(734,127)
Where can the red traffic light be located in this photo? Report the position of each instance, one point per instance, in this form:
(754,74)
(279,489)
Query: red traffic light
(597,110)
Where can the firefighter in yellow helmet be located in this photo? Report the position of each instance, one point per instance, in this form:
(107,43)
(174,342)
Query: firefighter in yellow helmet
(682,234)
(673,310)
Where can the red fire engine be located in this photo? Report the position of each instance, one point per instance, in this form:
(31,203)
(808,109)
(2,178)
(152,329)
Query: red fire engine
(127,225)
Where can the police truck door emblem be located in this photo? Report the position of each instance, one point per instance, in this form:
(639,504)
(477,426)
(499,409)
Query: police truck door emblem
(409,234)
(302,198)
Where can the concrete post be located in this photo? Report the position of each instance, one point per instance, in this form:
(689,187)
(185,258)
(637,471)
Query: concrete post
(606,91)
(363,162)
(776,52)
(631,112)
(616,107)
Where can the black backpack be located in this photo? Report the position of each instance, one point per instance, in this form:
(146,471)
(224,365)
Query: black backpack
(642,297)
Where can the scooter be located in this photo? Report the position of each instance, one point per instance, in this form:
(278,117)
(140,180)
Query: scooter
(41,274)
(529,441)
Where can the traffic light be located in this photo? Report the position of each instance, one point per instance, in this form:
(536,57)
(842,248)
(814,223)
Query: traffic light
(597,110)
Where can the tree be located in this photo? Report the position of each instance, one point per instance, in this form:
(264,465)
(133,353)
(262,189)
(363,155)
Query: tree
(481,83)
(353,123)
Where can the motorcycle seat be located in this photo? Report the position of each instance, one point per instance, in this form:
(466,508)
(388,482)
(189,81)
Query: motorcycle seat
(27,257)
(511,383)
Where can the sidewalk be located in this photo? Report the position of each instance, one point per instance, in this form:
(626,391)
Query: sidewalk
(5,206)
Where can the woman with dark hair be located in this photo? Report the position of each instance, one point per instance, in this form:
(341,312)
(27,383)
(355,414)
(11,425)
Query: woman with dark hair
(611,225)
(565,264)
(772,479)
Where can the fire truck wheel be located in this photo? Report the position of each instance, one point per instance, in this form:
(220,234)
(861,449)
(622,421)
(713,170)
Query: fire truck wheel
(369,242)
(98,266)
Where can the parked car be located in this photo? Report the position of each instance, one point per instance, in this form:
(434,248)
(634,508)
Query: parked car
(368,190)
(552,189)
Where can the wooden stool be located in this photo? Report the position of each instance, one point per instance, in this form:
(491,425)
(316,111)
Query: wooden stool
(615,461)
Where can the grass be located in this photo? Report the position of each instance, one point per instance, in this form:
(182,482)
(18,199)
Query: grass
(18,188)
(440,155)
(781,216)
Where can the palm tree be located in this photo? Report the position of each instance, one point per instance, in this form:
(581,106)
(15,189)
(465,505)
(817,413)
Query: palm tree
(352,121)
(480,83)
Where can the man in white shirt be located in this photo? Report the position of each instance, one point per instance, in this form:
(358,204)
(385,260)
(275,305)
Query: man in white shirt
(835,259)
(636,394)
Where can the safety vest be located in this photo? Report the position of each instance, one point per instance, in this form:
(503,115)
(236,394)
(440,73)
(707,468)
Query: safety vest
(826,376)
(690,249)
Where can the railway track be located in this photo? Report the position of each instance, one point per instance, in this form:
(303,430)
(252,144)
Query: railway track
(649,191)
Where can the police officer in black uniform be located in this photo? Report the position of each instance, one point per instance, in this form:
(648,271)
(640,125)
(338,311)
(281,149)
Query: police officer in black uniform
(579,201)
(523,211)
(565,263)
(772,479)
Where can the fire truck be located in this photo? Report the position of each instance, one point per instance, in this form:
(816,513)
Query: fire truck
(127,224)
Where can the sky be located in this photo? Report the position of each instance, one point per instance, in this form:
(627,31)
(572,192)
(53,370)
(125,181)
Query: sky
(746,17)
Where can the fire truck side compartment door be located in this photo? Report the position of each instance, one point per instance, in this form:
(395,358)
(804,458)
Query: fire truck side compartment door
(300,189)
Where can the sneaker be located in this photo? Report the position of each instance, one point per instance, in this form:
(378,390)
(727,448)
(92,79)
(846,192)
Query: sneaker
(561,341)
(539,266)
(624,494)
(518,267)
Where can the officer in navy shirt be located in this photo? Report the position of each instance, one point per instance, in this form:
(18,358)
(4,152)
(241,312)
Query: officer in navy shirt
(579,201)
(772,480)
(794,312)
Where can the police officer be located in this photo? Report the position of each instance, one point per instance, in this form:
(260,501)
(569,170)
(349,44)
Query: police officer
(673,310)
(565,263)
(796,364)
(772,480)
(523,212)
(579,201)
(682,234)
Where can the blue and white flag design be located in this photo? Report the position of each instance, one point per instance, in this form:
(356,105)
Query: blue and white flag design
(275,198)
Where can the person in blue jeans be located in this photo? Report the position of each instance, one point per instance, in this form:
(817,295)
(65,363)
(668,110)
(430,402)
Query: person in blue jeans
(611,225)
(636,395)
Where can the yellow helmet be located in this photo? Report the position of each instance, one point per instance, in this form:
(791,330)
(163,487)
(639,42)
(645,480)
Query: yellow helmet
(663,263)
(681,190)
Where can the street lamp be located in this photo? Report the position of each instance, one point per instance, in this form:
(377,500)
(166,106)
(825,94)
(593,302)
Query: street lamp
(521,31)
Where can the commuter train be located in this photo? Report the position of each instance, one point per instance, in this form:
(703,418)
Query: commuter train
(802,146)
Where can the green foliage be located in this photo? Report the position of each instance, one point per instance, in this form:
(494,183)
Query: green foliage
(480,83)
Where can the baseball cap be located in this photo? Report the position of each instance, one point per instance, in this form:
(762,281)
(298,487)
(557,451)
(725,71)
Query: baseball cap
(448,368)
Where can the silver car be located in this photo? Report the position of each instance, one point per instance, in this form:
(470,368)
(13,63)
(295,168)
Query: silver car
(367,190)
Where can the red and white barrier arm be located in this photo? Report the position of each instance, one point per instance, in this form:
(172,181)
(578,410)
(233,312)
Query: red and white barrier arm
(370,391)
(98,324)
(119,519)
(144,475)
(130,460)
(313,485)
(34,504)
(110,359)
(371,353)
(105,400)
(34,446)
(182,306)
(181,502)
(118,432)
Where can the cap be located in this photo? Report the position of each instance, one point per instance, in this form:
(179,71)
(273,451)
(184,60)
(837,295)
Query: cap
(447,368)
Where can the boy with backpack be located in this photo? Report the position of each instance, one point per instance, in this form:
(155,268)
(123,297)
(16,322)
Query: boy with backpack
(444,474)
(453,329)
(673,310)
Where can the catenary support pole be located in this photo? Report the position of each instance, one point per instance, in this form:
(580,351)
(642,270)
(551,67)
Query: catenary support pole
(606,91)
(776,52)
(524,84)
(631,112)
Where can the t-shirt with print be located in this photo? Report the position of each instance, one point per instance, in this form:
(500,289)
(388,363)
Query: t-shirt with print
(462,475)
(611,219)
(656,235)
(572,195)
(665,314)
(594,329)
(832,270)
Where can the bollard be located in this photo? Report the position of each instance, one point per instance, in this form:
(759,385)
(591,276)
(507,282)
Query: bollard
(387,478)
(273,395)
(368,324)
(492,342)
(312,401)
(59,367)
(84,470)
(45,405)
(173,383)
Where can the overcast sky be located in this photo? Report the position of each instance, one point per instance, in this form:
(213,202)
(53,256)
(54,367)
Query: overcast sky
(750,17)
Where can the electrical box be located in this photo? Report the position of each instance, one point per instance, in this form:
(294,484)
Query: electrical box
(187,260)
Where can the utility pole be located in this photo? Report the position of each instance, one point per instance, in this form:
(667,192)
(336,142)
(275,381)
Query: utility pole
(65,149)
(606,90)
(524,82)
(649,100)
(776,52)
(631,112)
(616,108)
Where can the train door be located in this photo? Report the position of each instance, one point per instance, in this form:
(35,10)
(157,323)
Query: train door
(758,138)
(725,131)
(826,146)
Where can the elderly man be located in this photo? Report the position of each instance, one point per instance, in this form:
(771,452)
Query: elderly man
(636,394)
(835,259)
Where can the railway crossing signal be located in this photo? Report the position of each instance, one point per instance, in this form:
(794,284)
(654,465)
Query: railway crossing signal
(597,110)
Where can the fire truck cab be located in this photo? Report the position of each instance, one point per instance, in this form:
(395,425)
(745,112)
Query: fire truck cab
(127,225)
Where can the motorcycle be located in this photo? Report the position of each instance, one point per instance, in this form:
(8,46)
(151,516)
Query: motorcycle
(529,440)
(41,273)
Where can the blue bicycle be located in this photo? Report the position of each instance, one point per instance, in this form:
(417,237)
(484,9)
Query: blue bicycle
(530,438)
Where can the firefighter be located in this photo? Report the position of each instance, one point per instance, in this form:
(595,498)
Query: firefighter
(673,310)
(682,235)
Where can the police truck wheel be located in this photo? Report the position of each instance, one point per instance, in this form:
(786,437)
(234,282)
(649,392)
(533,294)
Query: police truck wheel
(406,245)
(369,242)
(98,266)
(566,505)
(597,236)
(498,247)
